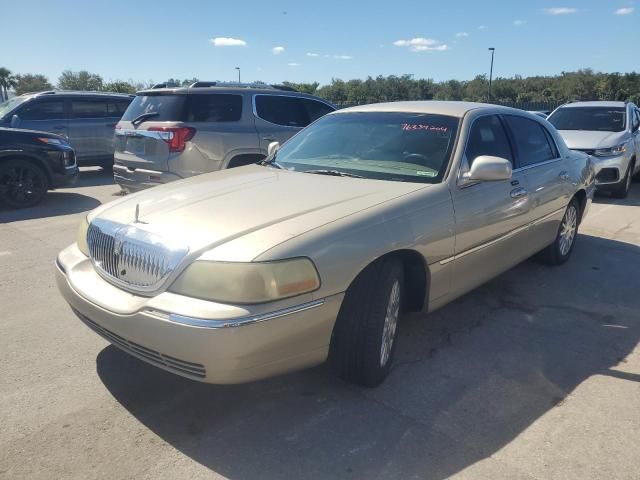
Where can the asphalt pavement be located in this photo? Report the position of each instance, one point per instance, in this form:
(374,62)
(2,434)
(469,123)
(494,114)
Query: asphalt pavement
(535,375)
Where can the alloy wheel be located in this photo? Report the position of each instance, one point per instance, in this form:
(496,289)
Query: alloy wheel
(568,229)
(390,323)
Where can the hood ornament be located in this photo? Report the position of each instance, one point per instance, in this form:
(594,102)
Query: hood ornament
(137,215)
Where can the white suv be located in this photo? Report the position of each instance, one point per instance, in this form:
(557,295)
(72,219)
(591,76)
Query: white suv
(610,133)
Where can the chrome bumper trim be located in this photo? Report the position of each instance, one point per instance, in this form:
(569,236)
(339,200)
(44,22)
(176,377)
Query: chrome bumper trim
(233,322)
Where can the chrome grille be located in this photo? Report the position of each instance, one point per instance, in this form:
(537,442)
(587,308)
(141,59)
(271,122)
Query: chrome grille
(131,257)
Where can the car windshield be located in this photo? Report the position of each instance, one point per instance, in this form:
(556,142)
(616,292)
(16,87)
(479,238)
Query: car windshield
(603,119)
(9,105)
(405,147)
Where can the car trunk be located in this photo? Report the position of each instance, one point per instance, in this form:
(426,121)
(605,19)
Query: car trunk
(137,145)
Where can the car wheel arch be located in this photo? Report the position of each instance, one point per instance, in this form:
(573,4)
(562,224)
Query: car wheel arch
(417,277)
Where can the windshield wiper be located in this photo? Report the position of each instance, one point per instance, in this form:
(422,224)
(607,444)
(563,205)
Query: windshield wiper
(334,173)
(144,116)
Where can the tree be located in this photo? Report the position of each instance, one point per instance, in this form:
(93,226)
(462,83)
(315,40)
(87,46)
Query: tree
(119,86)
(7,81)
(81,80)
(31,83)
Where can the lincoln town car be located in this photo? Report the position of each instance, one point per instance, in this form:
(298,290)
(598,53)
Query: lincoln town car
(315,253)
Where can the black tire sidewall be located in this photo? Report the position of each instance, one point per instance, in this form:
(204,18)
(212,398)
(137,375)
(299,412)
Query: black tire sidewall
(9,164)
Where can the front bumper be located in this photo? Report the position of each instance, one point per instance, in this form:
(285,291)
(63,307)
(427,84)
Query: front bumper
(205,341)
(610,171)
(69,177)
(132,180)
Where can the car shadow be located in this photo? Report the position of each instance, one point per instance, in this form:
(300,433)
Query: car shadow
(467,380)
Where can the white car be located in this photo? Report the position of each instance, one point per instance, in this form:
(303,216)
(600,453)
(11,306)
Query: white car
(610,133)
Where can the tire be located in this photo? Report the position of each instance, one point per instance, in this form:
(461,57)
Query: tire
(22,183)
(559,251)
(363,341)
(623,190)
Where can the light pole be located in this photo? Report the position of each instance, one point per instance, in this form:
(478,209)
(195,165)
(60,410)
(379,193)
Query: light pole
(492,50)
(238,68)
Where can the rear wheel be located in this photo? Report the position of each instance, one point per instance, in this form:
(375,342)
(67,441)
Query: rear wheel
(22,183)
(364,337)
(559,251)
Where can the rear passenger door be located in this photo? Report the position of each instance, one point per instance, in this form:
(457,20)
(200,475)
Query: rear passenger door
(538,159)
(44,114)
(279,117)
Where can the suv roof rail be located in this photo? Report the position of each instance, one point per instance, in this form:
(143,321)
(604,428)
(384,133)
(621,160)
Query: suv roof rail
(285,88)
(205,84)
(45,92)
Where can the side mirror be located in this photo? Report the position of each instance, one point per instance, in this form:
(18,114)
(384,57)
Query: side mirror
(486,168)
(15,121)
(272,149)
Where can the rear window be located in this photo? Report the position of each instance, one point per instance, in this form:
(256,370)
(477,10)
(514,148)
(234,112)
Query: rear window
(168,107)
(602,119)
(187,108)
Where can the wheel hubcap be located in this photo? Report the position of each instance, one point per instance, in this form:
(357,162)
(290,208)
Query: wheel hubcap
(568,229)
(390,323)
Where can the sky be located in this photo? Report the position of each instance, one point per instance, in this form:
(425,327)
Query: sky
(299,41)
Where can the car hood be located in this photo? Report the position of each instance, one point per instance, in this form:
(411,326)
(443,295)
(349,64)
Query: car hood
(588,140)
(209,210)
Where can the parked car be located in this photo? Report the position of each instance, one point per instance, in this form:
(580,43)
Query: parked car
(32,163)
(87,119)
(610,131)
(171,133)
(371,211)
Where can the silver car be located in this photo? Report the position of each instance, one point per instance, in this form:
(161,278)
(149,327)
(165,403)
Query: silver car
(370,212)
(172,133)
(610,131)
(86,119)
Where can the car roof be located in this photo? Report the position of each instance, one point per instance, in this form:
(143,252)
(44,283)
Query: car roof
(603,103)
(451,108)
(77,93)
(253,89)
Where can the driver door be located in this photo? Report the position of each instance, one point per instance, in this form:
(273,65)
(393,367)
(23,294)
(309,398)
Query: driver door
(491,217)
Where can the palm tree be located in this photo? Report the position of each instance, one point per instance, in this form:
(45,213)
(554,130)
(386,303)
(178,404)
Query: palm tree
(7,81)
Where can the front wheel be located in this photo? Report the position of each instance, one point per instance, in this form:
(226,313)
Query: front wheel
(559,251)
(623,190)
(22,183)
(364,336)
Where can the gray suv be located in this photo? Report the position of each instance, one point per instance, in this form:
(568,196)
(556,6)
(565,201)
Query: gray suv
(610,132)
(171,133)
(86,119)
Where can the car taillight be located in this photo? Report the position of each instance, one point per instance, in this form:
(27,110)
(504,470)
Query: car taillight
(176,137)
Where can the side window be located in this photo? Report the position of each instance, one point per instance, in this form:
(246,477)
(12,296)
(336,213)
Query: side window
(531,142)
(281,110)
(89,108)
(636,120)
(121,106)
(213,108)
(42,110)
(316,109)
(487,137)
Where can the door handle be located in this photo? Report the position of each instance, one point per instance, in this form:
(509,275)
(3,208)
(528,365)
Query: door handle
(563,176)
(269,139)
(518,192)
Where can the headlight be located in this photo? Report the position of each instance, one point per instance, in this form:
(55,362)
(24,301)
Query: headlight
(244,283)
(81,237)
(51,141)
(610,152)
